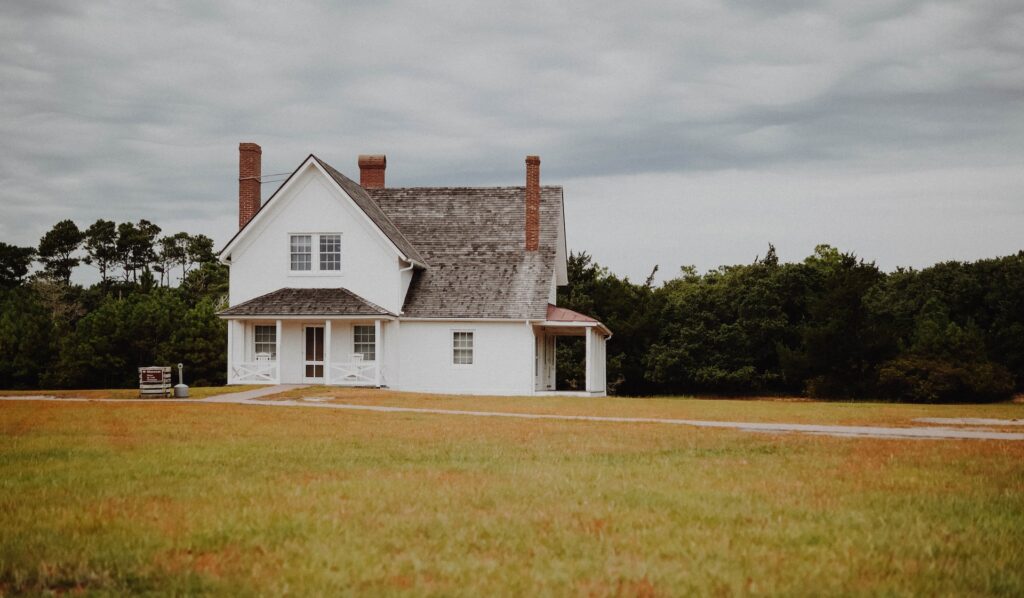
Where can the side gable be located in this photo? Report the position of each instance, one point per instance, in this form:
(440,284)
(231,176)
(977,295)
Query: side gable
(374,215)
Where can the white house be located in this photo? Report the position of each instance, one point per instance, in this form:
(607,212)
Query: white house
(432,289)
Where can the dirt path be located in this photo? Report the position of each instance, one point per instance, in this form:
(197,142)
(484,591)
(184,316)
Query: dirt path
(252,397)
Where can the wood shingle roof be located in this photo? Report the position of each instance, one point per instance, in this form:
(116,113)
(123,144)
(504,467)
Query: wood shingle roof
(307,302)
(474,240)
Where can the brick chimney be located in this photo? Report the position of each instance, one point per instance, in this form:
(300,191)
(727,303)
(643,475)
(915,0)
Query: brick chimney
(371,171)
(532,203)
(249,170)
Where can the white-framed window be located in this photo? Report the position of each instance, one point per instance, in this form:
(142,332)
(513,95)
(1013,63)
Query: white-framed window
(301,248)
(310,253)
(265,341)
(462,347)
(364,342)
(330,252)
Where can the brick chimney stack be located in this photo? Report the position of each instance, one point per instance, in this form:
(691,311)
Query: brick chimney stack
(532,203)
(249,171)
(371,171)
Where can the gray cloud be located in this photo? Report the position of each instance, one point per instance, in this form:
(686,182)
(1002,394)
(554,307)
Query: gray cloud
(715,125)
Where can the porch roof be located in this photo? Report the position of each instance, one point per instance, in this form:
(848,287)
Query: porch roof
(566,317)
(307,302)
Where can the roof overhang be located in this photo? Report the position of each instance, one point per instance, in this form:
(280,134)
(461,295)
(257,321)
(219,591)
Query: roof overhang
(307,317)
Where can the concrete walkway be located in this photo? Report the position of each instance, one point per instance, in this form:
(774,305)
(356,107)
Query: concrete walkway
(919,432)
(970,421)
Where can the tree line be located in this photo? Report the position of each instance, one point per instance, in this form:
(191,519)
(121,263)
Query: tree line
(831,326)
(155,304)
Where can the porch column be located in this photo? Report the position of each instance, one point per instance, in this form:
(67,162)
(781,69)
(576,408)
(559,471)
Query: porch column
(277,351)
(378,353)
(327,351)
(589,373)
(231,348)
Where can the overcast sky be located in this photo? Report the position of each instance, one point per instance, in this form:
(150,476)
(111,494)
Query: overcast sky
(683,132)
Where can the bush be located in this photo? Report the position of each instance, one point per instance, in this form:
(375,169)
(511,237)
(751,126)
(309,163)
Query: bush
(919,379)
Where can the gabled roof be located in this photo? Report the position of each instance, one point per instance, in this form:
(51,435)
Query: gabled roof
(474,240)
(307,302)
(370,207)
(362,201)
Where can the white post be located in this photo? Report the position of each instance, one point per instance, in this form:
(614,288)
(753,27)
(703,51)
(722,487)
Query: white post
(231,347)
(377,351)
(532,362)
(277,350)
(327,351)
(590,359)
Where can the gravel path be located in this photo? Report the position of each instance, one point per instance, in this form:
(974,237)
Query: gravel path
(918,432)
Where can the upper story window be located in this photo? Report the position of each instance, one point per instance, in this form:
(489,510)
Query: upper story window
(302,252)
(330,252)
(315,252)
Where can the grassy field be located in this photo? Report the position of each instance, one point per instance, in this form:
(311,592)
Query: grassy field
(229,499)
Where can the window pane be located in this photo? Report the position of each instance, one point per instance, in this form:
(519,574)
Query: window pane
(330,252)
(301,252)
(462,348)
(265,342)
(365,344)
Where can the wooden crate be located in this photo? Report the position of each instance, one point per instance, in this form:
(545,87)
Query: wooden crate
(155,381)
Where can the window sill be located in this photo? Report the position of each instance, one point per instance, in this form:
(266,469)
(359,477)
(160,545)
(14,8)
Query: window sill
(314,273)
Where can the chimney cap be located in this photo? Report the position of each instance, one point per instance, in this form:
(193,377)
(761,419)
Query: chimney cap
(372,161)
(533,159)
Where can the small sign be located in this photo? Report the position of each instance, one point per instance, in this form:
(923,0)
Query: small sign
(154,381)
(151,375)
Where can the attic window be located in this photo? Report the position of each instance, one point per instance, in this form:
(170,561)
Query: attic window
(302,252)
(330,252)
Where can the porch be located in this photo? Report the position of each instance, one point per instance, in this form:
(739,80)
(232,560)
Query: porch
(332,351)
(562,322)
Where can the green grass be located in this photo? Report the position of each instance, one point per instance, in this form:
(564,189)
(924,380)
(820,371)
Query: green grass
(226,499)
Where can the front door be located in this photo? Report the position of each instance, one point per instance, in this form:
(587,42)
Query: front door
(314,362)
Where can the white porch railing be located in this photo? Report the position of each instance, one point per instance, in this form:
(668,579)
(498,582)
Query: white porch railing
(353,373)
(254,372)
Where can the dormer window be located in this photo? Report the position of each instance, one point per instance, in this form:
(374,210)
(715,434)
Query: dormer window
(325,258)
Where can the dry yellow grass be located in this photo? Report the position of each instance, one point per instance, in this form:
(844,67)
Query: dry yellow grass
(195,392)
(227,499)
